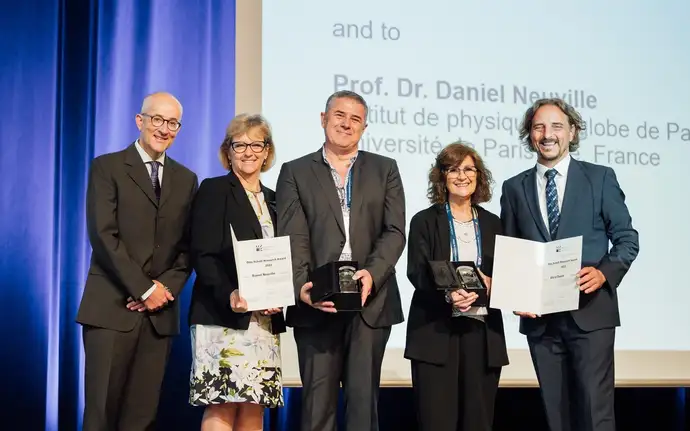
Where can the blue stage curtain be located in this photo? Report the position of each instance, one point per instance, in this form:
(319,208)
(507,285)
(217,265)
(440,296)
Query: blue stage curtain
(73,74)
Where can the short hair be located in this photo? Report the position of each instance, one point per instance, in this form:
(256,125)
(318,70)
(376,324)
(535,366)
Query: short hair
(346,94)
(148,100)
(574,119)
(247,123)
(453,155)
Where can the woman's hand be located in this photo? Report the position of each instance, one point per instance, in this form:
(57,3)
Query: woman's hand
(462,300)
(487,283)
(271,311)
(237,303)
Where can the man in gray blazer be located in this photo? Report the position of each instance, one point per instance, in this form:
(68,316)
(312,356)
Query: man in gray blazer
(559,198)
(137,209)
(340,203)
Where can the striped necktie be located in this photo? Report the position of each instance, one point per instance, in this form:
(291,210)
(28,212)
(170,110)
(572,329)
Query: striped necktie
(154,179)
(552,211)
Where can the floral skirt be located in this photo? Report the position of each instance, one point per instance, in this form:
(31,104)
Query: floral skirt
(236,366)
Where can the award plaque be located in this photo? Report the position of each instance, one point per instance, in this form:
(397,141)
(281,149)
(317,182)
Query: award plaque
(450,276)
(333,282)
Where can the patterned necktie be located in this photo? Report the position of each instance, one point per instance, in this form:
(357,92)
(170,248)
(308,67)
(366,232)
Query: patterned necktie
(552,202)
(154,179)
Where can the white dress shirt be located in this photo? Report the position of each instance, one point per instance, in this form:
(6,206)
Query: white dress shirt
(147,162)
(560,179)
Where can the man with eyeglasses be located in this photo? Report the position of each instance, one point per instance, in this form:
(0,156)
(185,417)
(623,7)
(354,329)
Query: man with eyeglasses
(137,209)
(343,204)
(562,197)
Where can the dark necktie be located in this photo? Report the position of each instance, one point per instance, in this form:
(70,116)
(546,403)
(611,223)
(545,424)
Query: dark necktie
(154,179)
(552,211)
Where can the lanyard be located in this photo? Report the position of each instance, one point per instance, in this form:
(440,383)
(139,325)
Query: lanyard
(454,240)
(348,188)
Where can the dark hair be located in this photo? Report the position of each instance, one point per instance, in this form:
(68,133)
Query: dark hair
(574,119)
(452,155)
(346,94)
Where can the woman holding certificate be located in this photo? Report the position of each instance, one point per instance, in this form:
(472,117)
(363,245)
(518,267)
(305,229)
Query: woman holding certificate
(456,347)
(236,364)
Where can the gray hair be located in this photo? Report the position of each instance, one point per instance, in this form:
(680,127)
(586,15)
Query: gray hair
(346,94)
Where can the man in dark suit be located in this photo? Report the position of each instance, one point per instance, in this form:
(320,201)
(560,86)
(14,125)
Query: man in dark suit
(137,209)
(562,197)
(340,203)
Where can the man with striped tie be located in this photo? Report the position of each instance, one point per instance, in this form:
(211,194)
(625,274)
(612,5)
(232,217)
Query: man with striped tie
(562,197)
(137,207)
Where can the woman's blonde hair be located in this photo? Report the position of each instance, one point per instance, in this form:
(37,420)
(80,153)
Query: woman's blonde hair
(254,124)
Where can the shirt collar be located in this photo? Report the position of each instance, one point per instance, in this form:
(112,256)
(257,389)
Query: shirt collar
(561,167)
(325,159)
(145,156)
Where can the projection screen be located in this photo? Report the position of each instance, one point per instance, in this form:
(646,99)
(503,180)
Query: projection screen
(436,71)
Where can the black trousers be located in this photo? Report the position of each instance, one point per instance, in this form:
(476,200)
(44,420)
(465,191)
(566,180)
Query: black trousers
(460,394)
(576,375)
(345,350)
(123,376)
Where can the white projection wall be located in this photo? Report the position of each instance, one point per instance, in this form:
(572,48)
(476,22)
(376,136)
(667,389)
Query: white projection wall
(436,71)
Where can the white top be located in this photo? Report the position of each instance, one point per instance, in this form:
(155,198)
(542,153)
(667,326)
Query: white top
(467,251)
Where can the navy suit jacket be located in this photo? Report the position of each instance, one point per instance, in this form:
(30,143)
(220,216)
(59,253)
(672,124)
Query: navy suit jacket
(594,207)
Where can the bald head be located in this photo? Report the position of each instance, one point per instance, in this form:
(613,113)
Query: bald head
(154,100)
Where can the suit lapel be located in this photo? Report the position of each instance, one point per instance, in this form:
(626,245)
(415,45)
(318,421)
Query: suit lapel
(574,193)
(139,174)
(243,206)
(323,177)
(168,179)
(443,231)
(529,183)
(358,190)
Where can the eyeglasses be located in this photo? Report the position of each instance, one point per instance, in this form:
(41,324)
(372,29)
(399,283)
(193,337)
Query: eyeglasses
(470,172)
(241,147)
(157,121)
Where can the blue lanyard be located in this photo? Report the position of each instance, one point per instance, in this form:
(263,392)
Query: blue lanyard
(348,188)
(454,240)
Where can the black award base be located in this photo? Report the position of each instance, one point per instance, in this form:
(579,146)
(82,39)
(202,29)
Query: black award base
(333,282)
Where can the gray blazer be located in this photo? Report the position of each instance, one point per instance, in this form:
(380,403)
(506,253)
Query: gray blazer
(594,207)
(309,211)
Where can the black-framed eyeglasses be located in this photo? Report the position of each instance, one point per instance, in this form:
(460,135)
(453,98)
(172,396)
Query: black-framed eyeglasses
(469,171)
(241,147)
(157,121)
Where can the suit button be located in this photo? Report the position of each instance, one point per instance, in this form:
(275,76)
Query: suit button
(342,243)
(158,246)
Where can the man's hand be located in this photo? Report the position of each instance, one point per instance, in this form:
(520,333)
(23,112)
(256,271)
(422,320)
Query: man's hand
(590,279)
(237,303)
(327,306)
(133,305)
(367,283)
(462,300)
(271,311)
(523,314)
(487,282)
(159,298)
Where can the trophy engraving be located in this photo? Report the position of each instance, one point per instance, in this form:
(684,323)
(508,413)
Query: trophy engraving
(468,277)
(345,281)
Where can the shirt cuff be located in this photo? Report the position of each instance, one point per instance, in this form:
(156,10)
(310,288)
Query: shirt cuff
(148,292)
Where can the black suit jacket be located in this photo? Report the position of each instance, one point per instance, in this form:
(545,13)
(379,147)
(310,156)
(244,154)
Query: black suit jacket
(309,212)
(135,240)
(429,320)
(220,203)
(594,207)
